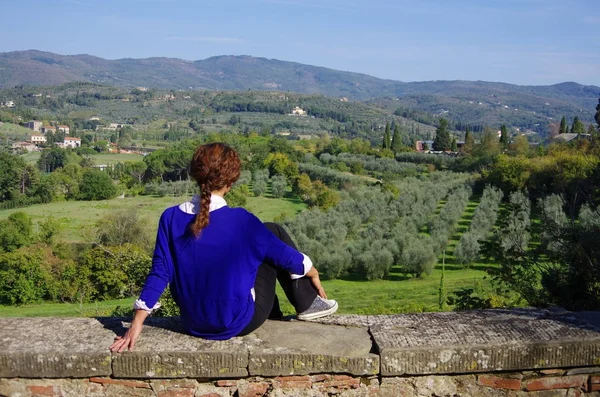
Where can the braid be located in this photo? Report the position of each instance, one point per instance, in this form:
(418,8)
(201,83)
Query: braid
(214,166)
(202,217)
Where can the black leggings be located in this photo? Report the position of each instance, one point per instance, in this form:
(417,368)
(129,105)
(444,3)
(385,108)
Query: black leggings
(299,292)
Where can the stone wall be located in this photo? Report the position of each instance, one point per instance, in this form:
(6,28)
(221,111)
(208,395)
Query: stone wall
(479,353)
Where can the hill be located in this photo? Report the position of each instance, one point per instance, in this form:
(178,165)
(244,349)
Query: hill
(476,102)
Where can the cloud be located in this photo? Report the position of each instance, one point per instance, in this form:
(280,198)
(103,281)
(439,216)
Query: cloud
(207,39)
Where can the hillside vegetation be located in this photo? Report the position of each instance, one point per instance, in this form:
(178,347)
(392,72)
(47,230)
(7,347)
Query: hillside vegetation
(536,103)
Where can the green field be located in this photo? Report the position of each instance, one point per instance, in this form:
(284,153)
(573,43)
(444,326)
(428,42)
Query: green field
(100,158)
(77,216)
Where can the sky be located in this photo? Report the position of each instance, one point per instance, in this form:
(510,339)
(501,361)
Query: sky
(528,42)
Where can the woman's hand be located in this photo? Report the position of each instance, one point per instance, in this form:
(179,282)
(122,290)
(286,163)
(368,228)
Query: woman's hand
(313,275)
(128,340)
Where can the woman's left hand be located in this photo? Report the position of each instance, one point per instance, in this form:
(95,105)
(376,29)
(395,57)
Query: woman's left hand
(128,340)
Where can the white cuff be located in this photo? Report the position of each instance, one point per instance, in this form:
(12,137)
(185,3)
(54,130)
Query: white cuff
(141,305)
(307,265)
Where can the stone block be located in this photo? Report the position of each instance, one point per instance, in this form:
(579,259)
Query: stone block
(585,370)
(53,347)
(165,351)
(483,341)
(302,348)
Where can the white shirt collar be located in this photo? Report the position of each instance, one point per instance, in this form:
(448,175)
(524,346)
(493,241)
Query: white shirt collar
(193,206)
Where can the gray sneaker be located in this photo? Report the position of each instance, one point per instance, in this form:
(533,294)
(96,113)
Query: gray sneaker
(319,308)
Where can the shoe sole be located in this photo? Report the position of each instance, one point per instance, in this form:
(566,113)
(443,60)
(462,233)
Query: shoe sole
(315,315)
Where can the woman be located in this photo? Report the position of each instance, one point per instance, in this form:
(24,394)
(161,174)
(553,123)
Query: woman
(221,263)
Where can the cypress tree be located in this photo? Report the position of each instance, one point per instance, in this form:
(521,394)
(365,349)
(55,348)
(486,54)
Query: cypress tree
(387,139)
(578,127)
(442,139)
(396,140)
(563,126)
(597,116)
(503,136)
(469,140)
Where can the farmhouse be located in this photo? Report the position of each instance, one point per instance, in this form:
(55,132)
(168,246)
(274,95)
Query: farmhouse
(37,139)
(297,111)
(72,142)
(34,125)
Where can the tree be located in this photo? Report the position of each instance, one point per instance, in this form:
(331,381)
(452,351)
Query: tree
(442,140)
(454,144)
(597,115)
(521,145)
(387,140)
(503,136)
(563,129)
(490,146)
(397,145)
(578,127)
(122,227)
(96,185)
(278,185)
(467,249)
(469,141)
(12,168)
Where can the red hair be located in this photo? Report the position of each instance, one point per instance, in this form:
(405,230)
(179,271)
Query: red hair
(214,166)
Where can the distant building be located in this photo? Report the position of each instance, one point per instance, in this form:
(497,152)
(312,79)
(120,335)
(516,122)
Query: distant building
(297,111)
(7,104)
(72,142)
(48,128)
(64,128)
(28,146)
(34,125)
(570,137)
(422,146)
(37,139)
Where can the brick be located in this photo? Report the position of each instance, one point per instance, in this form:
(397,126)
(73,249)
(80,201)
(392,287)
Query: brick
(594,379)
(320,377)
(211,395)
(342,382)
(127,383)
(254,389)
(176,393)
(44,390)
(225,383)
(162,385)
(557,382)
(293,382)
(497,382)
(594,387)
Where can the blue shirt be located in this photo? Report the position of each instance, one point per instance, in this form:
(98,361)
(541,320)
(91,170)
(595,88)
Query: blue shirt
(212,276)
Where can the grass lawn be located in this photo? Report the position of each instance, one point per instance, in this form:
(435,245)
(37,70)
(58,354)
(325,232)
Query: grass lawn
(100,158)
(76,216)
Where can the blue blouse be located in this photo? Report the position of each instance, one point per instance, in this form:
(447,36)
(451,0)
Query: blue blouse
(212,277)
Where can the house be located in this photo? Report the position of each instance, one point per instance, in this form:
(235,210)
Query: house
(568,137)
(72,142)
(422,146)
(37,139)
(28,146)
(64,128)
(34,125)
(48,128)
(7,104)
(297,111)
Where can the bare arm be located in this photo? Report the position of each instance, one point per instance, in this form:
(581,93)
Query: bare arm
(128,340)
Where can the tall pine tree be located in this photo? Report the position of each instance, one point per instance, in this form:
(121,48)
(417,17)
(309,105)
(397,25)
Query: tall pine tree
(397,145)
(387,139)
(503,136)
(578,127)
(469,141)
(563,126)
(442,139)
(597,116)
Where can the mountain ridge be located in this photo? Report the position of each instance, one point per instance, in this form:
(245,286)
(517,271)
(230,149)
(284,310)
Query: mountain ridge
(464,100)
